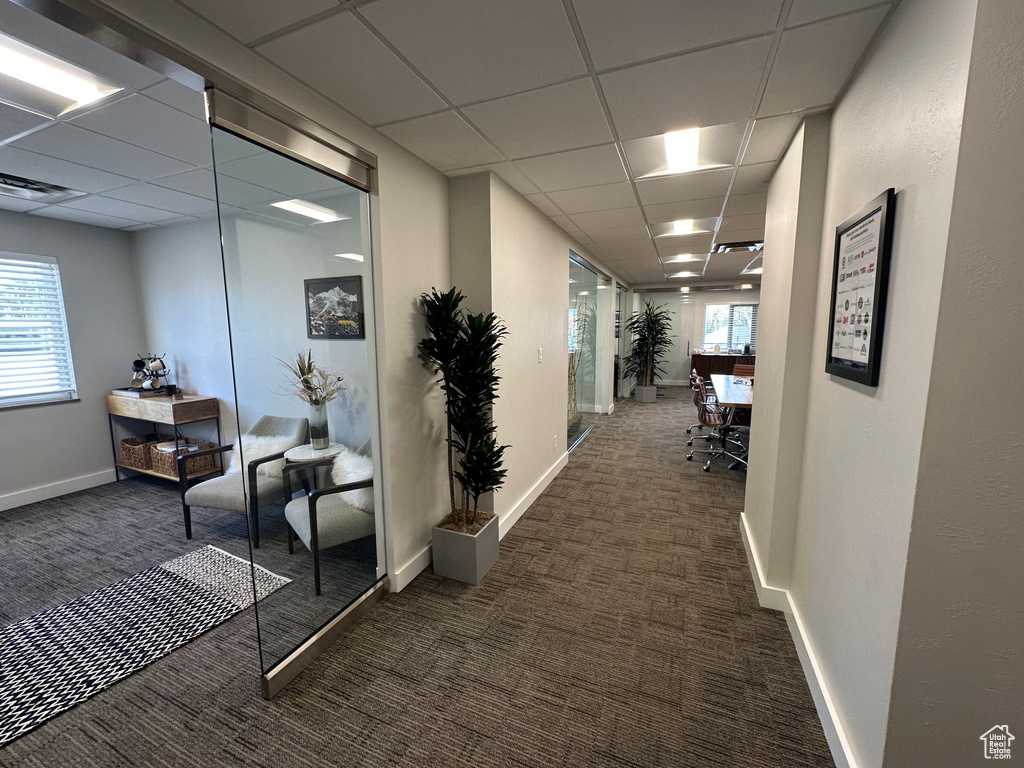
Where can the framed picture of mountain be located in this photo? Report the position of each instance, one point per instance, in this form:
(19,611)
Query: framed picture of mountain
(334,308)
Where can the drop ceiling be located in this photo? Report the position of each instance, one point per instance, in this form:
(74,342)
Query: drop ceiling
(567,100)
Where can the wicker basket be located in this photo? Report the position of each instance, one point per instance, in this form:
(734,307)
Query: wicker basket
(135,452)
(166,463)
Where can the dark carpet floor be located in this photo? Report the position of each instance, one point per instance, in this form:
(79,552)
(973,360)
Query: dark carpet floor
(619,628)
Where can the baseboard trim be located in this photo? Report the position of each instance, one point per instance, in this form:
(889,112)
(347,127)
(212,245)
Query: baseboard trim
(414,567)
(53,490)
(513,515)
(611,409)
(672,382)
(778,599)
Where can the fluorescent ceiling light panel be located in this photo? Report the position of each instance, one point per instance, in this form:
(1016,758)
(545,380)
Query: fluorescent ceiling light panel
(48,73)
(746,286)
(583,293)
(682,149)
(757,271)
(682,227)
(681,258)
(685,289)
(350,256)
(684,274)
(309,210)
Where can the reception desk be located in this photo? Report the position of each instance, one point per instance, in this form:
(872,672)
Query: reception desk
(705,365)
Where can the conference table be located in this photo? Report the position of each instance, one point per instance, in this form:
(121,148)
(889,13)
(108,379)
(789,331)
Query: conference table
(733,395)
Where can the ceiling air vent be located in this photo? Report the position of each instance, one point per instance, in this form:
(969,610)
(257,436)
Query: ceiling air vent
(36,191)
(746,245)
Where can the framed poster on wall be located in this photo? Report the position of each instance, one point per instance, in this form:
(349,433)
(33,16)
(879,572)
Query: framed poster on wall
(860,281)
(334,308)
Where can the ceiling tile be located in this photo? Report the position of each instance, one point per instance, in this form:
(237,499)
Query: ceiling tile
(751,179)
(95,150)
(688,209)
(617,234)
(544,205)
(249,20)
(508,173)
(284,174)
(739,205)
(687,186)
(165,199)
(576,168)
(152,125)
(566,224)
(235,192)
(8,203)
(340,58)
(804,11)
(814,61)
(119,208)
(711,87)
(444,140)
(196,182)
(181,97)
(747,221)
(82,217)
(538,122)
(770,138)
(725,266)
(15,121)
(617,217)
(54,171)
(718,146)
(474,51)
(670,246)
(602,198)
(740,235)
(632,249)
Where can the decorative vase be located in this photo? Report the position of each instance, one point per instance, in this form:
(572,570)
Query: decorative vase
(319,432)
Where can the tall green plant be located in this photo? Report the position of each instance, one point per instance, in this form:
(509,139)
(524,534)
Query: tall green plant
(649,330)
(463,349)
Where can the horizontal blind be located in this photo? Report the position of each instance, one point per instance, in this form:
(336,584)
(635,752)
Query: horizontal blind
(35,353)
(731,326)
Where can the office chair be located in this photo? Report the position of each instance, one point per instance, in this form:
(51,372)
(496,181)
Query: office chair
(713,415)
(696,401)
(743,371)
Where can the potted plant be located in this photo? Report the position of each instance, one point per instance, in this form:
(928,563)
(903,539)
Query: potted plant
(649,331)
(462,348)
(315,387)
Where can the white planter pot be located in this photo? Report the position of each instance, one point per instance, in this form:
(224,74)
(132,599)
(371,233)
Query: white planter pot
(646,394)
(463,556)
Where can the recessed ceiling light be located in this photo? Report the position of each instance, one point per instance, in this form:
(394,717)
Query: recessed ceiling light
(40,70)
(682,149)
(684,274)
(682,227)
(583,293)
(350,256)
(309,210)
(748,245)
(685,289)
(681,258)
(757,271)
(746,286)
(603,287)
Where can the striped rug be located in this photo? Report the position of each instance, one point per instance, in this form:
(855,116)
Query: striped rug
(60,657)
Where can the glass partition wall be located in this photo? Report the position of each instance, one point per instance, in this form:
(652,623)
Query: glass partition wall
(589,303)
(296,251)
(623,342)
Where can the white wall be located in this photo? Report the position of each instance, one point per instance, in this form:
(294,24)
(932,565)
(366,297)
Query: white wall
(52,449)
(897,125)
(958,668)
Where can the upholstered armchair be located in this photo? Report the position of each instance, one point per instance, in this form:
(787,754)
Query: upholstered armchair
(263,448)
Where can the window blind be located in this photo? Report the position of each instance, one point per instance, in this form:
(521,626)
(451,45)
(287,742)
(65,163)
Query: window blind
(731,326)
(35,353)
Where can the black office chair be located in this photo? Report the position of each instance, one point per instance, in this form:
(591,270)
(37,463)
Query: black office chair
(711,414)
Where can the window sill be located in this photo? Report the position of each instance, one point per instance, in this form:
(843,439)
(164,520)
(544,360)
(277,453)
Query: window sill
(17,406)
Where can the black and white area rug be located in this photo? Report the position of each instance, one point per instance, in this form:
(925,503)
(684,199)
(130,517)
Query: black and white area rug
(53,660)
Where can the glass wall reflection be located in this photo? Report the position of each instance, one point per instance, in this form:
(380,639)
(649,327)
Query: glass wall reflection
(589,315)
(296,249)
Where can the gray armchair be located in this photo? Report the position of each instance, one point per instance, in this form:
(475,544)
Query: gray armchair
(228,490)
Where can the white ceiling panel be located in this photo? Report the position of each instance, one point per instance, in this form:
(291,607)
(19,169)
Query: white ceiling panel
(725,266)
(182,98)
(617,217)
(15,121)
(286,176)
(622,33)
(474,51)
(95,150)
(632,249)
(770,138)
(240,193)
(710,87)
(576,168)
(545,206)
(746,221)
(602,198)
(566,224)
(738,205)
(444,140)
(152,125)
(165,199)
(340,58)
(196,182)
(686,186)
(814,61)
(687,209)
(804,11)
(670,246)
(54,171)
(83,217)
(740,235)
(553,119)
(249,20)
(508,173)
(751,179)
(617,234)
(8,203)
(119,209)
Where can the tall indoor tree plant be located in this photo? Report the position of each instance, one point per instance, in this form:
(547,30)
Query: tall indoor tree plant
(649,330)
(462,348)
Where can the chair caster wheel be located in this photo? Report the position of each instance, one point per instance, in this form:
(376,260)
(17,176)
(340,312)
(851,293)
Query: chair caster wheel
(707,469)
(689,457)
(689,442)
(689,430)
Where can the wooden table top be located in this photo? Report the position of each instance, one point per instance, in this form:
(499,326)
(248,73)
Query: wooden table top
(730,394)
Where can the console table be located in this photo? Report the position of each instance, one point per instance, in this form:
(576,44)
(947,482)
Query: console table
(172,410)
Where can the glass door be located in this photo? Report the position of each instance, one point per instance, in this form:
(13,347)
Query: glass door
(622,315)
(585,314)
(299,284)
